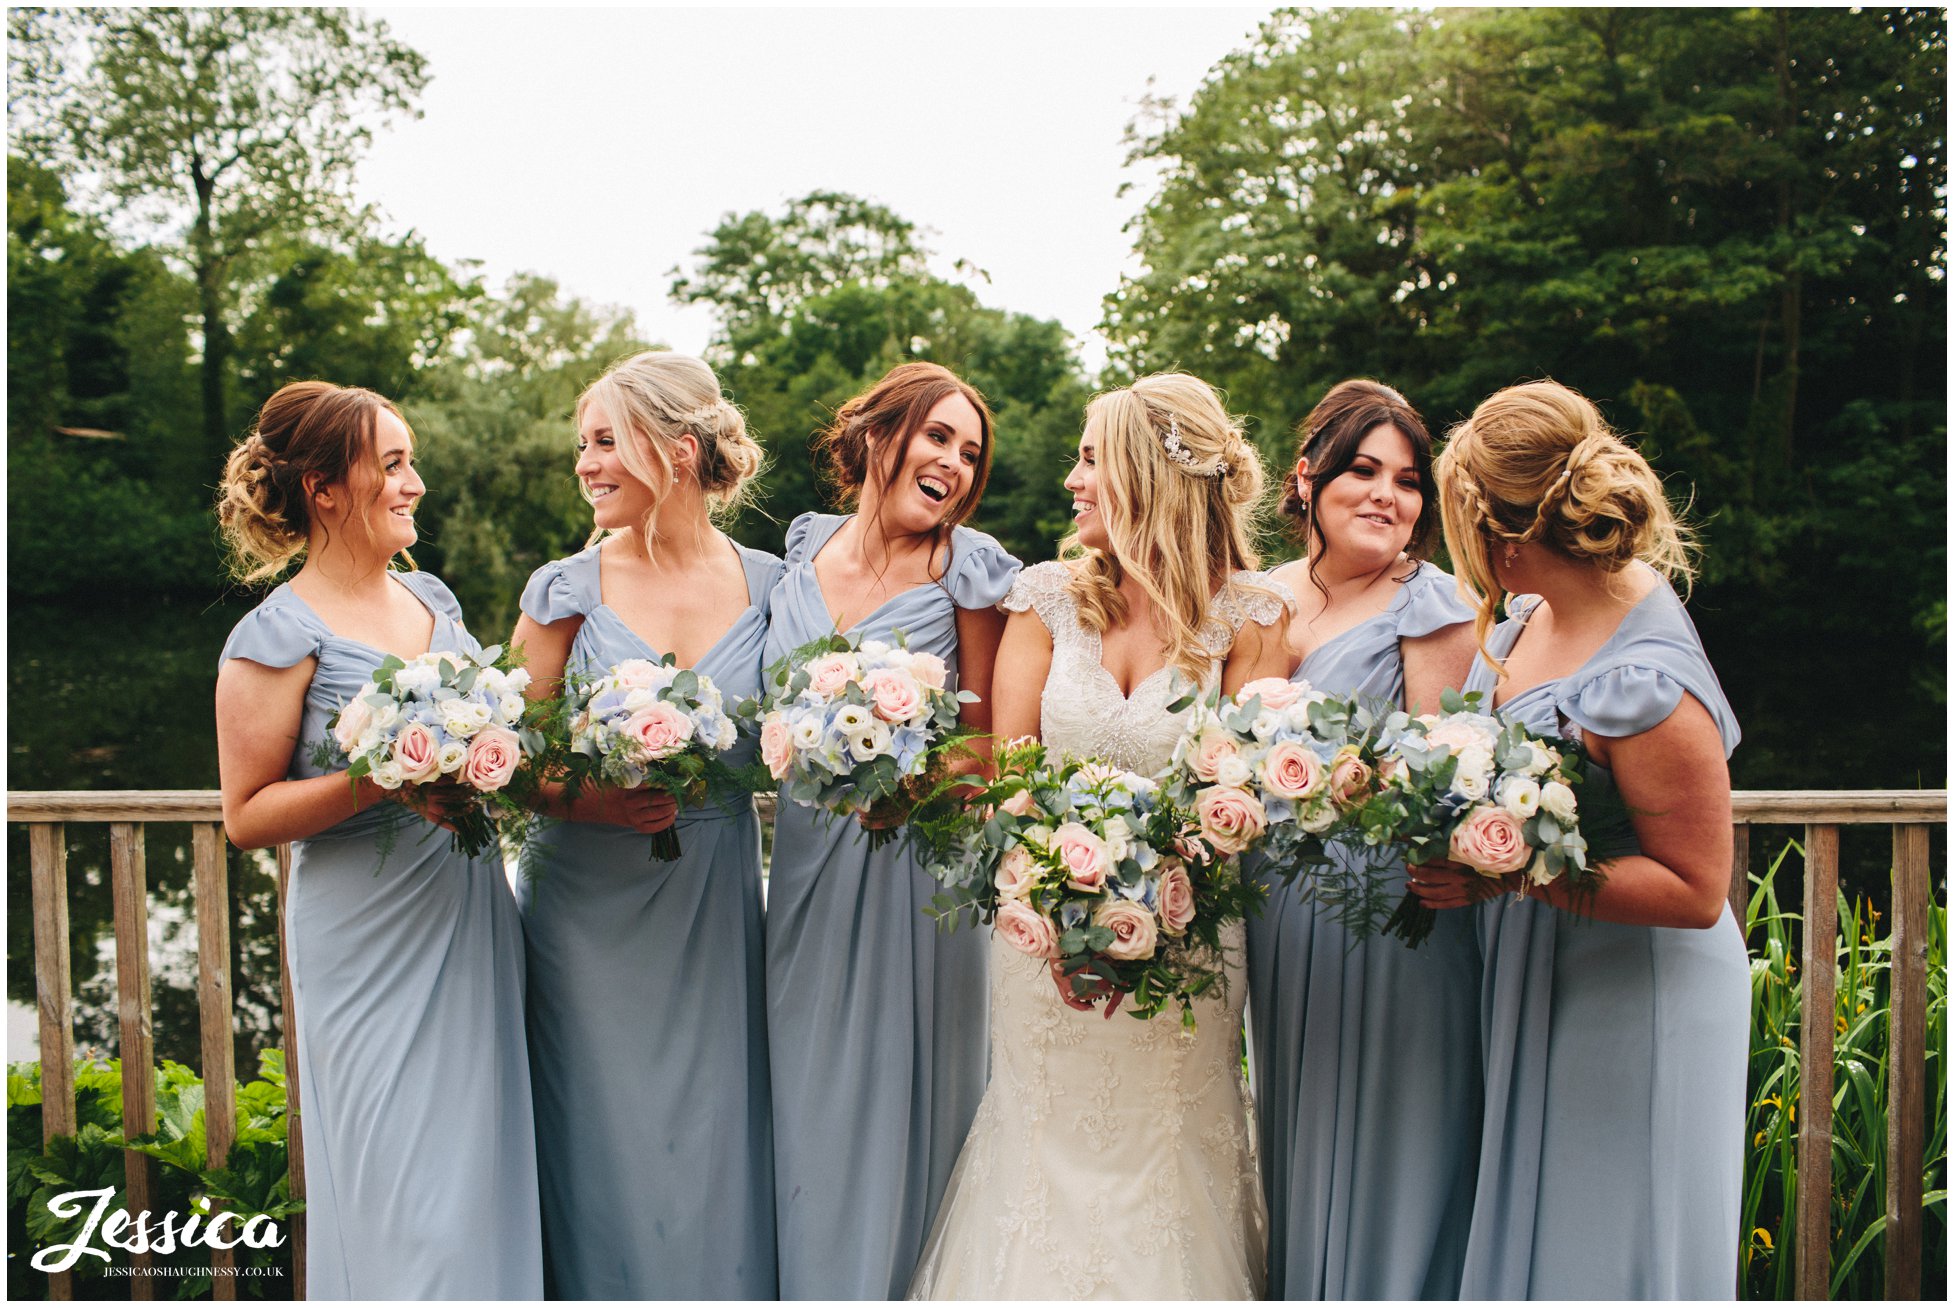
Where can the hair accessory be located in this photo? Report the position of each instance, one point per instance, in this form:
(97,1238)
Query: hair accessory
(1178,452)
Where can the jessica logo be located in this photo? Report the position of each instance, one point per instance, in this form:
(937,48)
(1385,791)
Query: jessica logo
(141,1234)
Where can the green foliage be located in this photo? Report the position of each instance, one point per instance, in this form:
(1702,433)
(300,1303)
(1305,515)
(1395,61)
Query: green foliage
(1861,1048)
(255,1180)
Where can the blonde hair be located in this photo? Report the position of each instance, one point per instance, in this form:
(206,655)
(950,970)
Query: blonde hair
(306,429)
(1180,492)
(1537,462)
(654,399)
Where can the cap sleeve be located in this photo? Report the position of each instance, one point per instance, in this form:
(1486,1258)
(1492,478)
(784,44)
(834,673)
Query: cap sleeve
(981,570)
(434,593)
(274,634)
(763,572)
(808,533)
(1628,699)
(1041,587)
(1431,602)
(564,588)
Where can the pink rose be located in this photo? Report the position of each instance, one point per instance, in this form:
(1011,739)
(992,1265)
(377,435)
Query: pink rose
(1277,692)
(1350,778)
(1188,845)
(1389,769)
(1231,819)
(354,719)
(1134,932)
(1489,842)
(1086,858)
(1018,805)
(776,746)
(1213,746)
(1462,731)
(637,674)
(492,758)
(895,696)
(1175,899)
(659,729)
(1016,874)
(928,669)
(418,757)
(827,675)
(1290,770)
(1026,930)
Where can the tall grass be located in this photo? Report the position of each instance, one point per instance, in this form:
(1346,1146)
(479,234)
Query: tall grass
(1861,1033)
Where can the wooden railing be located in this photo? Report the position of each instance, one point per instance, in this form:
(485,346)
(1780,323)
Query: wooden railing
(1821,813)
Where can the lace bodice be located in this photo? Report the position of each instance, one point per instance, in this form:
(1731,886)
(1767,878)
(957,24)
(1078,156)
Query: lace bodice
(1082,712)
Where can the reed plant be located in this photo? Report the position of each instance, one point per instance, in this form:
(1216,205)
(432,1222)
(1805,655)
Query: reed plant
(1861,1034)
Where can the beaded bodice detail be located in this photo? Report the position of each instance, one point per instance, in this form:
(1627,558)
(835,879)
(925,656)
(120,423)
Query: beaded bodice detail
(1082,711)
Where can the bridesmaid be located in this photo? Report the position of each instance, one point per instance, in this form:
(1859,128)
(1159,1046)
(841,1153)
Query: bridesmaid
(406,967)
(1366,1053)
(877,1018)
(647,1019)
(1611,1158)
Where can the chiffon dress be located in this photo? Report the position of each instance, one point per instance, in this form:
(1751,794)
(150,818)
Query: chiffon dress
(407,980)
(876,1018)
(647,1009)
(1112,1158)
(1611,1163)
(1366,1052)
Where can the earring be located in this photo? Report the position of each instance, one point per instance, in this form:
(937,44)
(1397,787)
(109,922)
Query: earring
(1511,551)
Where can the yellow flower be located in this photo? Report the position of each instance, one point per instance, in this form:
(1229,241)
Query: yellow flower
(1763,1237)
(1841,1023)
(1758,1141)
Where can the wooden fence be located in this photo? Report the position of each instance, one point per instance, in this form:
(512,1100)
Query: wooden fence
(1909,814)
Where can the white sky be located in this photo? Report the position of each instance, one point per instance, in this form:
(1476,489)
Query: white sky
(598,147)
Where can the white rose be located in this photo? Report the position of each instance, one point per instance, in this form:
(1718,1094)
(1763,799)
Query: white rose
(805,733)
(1265,725)
(452,756)
(1233,771)
(851,719)
(462,718)
(1558,800)
(874,647)
(1118,837)
(384,718)
(417,679)
(1537,871)
(1520,796)
(1475,773)
(1318,817)
(1297,715)
(514,683)
(387,775)
(509,707)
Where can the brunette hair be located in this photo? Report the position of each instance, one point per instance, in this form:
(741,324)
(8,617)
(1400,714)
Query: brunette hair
(306,429)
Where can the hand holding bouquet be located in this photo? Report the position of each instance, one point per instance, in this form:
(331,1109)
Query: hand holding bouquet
(1466,786)
(859,728)
(649,724)
(1086,865)
(1279,768)
(443,718)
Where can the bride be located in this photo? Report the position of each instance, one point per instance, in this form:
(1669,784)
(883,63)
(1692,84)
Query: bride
(1113,1158)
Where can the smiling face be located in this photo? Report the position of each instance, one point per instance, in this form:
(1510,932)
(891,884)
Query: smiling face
(938,467)
(379,494)
(1083,482)
(619,499)
(1367,513)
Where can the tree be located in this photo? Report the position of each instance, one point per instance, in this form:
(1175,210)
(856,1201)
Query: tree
(227,127)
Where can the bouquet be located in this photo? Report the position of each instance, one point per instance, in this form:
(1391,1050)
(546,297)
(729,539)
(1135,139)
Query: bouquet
(649,724)
(444,717)
(859,728)
(1467,786)
(1280,769)
(1088,865)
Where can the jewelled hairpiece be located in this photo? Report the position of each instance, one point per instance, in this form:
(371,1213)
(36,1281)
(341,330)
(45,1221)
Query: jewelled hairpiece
(1178,452)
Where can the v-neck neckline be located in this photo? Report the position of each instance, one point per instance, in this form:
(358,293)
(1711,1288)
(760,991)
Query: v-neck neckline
(1498,705)
(432,633)
(597,560)
(821,595)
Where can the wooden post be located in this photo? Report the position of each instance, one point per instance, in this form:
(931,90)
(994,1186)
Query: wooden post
(1819,1004)
(47,845)
(136,1040)
(294,1140)
(1906,1062)
(214,1015)
(1740,875)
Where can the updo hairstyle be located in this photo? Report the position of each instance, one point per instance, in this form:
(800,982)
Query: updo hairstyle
(1180,488)
(654,399)
(1537,463)
(857,444)
(1329,438)
(306,430)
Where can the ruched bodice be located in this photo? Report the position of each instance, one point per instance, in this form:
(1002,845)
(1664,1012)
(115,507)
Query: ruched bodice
(1612,1050)
(647,1012)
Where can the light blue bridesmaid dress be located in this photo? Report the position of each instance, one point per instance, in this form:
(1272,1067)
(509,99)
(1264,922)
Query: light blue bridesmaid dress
(1367,1053)
(647,1011)
(877,1019)
(1611,1165)
(420,1156)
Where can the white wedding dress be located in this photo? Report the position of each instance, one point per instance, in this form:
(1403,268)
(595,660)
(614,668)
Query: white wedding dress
(1111,1158)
